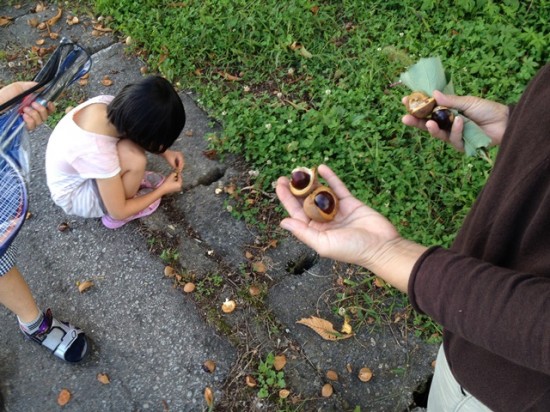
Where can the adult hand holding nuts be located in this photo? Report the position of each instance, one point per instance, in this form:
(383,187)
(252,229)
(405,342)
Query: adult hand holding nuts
(490,116)
(358,235)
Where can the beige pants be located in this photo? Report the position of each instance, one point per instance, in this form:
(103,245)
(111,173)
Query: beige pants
(446,394)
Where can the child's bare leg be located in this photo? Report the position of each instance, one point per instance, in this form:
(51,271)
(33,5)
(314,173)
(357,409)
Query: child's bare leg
(132,162)
(17,297)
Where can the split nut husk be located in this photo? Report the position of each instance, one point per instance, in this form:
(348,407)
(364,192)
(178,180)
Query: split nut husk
(321,205)
(443,116)
(303,181)
(420,105)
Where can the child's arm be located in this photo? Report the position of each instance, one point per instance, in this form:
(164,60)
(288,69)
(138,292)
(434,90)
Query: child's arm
(174,159)
(118,207)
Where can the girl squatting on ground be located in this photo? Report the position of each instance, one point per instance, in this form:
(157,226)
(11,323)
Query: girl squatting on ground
(97,155)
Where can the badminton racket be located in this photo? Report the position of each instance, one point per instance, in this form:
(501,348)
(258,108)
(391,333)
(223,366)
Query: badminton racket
(68,63)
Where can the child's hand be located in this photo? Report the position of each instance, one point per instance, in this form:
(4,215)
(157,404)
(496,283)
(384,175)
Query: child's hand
(33,115)
(173,183)
(174,159)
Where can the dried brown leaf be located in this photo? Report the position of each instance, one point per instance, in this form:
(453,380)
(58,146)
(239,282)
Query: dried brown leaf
(228,76)
(379,282)
(209,397)
(103,378)
(106,81)
(259,267)
(209,366)
(346,328)
(323,327)
(5,20)
(64,397)
(211,154)
(101,28)
(33,22)
(279,362)
(55,19)
(84,286)
(63,226)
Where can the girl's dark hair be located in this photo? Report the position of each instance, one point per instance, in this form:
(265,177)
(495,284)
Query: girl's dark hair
(150,113)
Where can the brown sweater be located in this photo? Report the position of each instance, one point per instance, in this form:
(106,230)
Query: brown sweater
(491,290)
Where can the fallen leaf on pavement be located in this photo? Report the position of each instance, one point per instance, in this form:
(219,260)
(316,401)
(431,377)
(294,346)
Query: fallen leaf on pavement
(346,328)
(323,327)
(259,267)
(84,286)
(209,397)
(279,362)
(55,19)
(103,378)
(5,20)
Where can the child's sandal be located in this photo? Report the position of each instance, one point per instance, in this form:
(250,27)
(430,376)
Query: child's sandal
(63,339)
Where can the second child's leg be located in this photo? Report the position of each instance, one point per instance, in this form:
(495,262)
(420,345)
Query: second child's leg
(133,161)
(16,295)
(63,339)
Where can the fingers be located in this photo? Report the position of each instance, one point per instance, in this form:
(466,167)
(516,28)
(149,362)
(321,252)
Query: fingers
(337,186)
(36,114)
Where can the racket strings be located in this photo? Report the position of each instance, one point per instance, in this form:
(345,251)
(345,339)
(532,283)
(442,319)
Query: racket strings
(12,201)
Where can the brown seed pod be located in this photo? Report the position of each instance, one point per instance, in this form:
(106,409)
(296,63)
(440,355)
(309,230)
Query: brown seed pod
(332,375)
(228,306)
(283,393)
(420,105)
(327,390)
(365,374)
(250,381)
(254,290)
(209,366)
(321,205)
(189,287)
(303,181)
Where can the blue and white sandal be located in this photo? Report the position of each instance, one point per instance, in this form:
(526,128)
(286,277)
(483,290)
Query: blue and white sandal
(63,339)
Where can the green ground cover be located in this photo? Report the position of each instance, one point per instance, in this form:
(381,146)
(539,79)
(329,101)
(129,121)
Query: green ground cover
(332,101)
